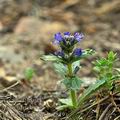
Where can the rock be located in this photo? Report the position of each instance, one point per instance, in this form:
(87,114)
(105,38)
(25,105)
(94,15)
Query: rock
(12,10)
(1,26)
(2,72)
(31,24)
(6,80)
(8,54)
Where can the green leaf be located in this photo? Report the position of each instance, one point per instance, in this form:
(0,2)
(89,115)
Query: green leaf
(101,62)
(90,90)
(76,67)
(73,83)
(60,68)
(62,107)
(29,72)
(109,85)
(96,68)
(88,52)
(76,83)
(115,77)
(66,103)
(51,58)
(112,56)
(75,64)
(67,83)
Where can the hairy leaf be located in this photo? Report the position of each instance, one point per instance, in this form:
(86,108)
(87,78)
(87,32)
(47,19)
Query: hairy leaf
(90,90)
(72,83)
(51,58)
(60,68)
(66,103)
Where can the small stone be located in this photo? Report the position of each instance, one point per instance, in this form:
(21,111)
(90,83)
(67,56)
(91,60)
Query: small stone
(49,103)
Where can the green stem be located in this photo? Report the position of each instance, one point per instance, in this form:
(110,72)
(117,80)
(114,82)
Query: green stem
(73,98)
(72,92)
(70,69)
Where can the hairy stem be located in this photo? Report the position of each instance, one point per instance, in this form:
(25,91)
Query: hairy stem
(72,92)
(73,98)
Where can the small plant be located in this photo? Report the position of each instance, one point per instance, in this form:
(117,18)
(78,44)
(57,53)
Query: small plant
(67,63)
(107,76)
(29,73)
(106,70)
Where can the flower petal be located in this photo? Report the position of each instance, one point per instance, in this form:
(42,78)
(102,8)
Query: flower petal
(77,52)
(58,36)
(67,33)
(78,36)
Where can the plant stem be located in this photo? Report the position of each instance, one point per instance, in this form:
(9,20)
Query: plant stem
(70,73)
(73,98)
(72,92)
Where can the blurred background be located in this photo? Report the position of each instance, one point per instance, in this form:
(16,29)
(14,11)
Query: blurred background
(27,27)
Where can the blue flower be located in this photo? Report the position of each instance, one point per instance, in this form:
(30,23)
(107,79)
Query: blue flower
(59,53)
(78,36)
(66,39)
(57,38)
(77,52)
(67,33)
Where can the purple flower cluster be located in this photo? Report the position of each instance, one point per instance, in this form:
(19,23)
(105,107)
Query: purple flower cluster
(58,38)
(66,41)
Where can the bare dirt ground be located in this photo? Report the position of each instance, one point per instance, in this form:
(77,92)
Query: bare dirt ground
(26,30)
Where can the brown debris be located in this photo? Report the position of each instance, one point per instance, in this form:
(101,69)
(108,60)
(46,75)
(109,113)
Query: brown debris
(108,7)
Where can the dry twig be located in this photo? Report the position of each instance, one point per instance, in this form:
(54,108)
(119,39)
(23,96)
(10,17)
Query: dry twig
(113,102)
(7,88)
(105,111)
(100,101)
